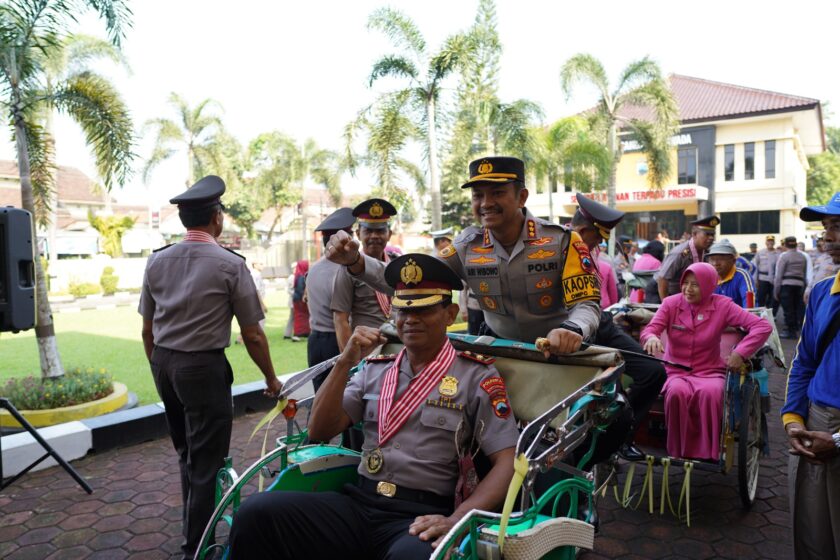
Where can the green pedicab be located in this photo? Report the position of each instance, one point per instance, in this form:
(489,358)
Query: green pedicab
(557,401)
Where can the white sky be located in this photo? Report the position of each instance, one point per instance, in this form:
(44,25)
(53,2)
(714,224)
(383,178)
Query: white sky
(301,67)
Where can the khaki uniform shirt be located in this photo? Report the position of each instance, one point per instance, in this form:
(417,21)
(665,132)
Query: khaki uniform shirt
(319,291)
(791,270)
(675,264)
(547,279)
(423,455)
(765,265)
(351,295)
(192,290)
(823,268)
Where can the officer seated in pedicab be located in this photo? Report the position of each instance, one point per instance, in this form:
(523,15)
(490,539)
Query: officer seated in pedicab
(425,411)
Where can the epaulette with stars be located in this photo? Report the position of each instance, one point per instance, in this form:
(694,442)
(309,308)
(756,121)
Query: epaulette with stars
(480,358)
(382,358)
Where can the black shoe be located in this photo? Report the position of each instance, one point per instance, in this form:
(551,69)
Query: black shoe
(630,452)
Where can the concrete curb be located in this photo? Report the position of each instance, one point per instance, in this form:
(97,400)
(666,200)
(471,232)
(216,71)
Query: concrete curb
(73,440)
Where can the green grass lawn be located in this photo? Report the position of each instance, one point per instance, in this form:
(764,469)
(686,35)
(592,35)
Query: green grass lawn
(111,339)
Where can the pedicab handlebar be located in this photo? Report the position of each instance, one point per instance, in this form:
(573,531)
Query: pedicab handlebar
(543,345)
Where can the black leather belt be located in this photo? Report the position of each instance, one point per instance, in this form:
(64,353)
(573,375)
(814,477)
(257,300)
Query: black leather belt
(212,351)
(391,490)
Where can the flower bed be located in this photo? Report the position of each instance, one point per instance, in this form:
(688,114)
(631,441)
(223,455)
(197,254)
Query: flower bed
(77,386)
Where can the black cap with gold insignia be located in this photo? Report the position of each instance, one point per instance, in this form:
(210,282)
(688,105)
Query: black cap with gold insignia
(420,281)
(709,223)
(603,218)
(340,219)
(495,171)
(374,213)
(204,194)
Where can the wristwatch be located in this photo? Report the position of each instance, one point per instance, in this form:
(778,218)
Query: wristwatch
(836,437)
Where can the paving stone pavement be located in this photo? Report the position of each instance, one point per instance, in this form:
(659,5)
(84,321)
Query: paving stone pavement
(135,509)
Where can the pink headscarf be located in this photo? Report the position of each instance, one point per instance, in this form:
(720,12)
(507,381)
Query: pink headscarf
(301,268)
(707,278)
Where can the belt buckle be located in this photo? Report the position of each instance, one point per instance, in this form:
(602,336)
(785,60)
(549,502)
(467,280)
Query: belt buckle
(387,489)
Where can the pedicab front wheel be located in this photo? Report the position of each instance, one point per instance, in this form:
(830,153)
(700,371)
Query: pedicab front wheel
(749,442)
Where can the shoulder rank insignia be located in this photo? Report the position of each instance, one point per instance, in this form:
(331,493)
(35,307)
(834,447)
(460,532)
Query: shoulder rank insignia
(540,241)
(234,252)
(480,358)
(382,358)
(447,252)
(162,248)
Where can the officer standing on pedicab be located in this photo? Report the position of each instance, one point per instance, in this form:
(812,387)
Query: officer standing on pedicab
(531,276)
(685,254)
(593,222)
(191,291)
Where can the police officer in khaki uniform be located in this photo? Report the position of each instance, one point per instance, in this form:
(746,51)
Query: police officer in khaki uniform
(422,410)
(322,343)
(191,291)
(354,303)
(685,254)
(765,273)
(531,276)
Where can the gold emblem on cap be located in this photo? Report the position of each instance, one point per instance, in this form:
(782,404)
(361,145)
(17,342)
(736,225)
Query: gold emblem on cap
(376,210)
(448,386)
(714,221)
(411,273)
(485,167)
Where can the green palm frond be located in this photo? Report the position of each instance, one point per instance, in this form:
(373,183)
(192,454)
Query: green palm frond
(98,108)
(456,49)
(657,95)
(657,149)
(41,150)
(78,52)
(393,66)
(637,73)
(399,28)
(584,68)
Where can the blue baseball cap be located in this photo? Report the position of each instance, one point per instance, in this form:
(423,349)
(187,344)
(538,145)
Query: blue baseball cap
(817,213)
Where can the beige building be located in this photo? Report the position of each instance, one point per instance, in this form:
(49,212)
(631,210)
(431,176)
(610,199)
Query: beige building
(740,152)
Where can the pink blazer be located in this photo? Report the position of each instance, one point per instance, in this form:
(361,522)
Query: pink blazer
(696,341)
(609,290)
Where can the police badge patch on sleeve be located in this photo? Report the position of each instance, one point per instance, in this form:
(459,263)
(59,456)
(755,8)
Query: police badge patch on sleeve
(579,280)
(495,388)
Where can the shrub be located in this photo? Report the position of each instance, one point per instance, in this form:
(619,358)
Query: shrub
(108,281)
(79,289)
(77,386)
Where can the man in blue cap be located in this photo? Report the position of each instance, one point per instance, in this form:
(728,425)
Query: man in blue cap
(191,291)
(811,413)
(322,343)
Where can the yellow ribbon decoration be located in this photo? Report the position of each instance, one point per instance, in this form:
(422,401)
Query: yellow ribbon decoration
(665,493)
(266,421)
(626,498)
(685,492)
(648,483)
(520,469)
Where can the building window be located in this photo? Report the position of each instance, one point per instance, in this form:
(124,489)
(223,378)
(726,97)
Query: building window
(749,160)
(729,162)
(769,159)
(733,223)
(687,166)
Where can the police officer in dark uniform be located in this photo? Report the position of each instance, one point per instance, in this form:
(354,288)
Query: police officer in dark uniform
(191,291)
(420,410)
(354,303)
(593,222)
(531,276)
(322,343)
(685,254)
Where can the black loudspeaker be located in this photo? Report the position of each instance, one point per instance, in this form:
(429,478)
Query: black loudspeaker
(17,286)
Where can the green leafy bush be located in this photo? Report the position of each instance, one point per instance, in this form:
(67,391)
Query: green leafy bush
(80,289)
(77,386)
(108,281)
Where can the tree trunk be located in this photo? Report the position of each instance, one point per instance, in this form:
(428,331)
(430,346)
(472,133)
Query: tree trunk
(552,186)
(612,146)
(44,330)
(433,165)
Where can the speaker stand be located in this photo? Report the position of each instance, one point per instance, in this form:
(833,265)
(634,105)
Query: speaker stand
(50,452)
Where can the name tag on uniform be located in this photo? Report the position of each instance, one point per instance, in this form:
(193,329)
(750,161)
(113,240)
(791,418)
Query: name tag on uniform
(371,396)
(677,327)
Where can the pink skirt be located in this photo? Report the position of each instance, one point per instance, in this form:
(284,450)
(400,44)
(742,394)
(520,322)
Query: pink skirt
(693,414)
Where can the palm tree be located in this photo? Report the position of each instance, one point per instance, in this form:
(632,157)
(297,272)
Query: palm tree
(111,229)
(641,83)
(424,73)
(195,130)
(29,31)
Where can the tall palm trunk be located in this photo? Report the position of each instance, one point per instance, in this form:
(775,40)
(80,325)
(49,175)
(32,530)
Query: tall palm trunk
(433,164)
(612,146)
(44,329)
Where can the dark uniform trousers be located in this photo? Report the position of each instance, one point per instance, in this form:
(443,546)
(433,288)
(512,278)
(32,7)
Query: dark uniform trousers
(475,318)
(321,346)
(195,390)
(764,295)
(351,525)
(793,304)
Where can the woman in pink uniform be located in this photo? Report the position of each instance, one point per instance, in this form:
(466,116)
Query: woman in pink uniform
(695,320)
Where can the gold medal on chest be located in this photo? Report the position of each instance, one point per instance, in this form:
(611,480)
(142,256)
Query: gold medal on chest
(448,386)
(374,461)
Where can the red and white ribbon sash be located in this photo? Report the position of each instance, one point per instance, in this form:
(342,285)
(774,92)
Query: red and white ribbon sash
(392,419)
(384,299)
